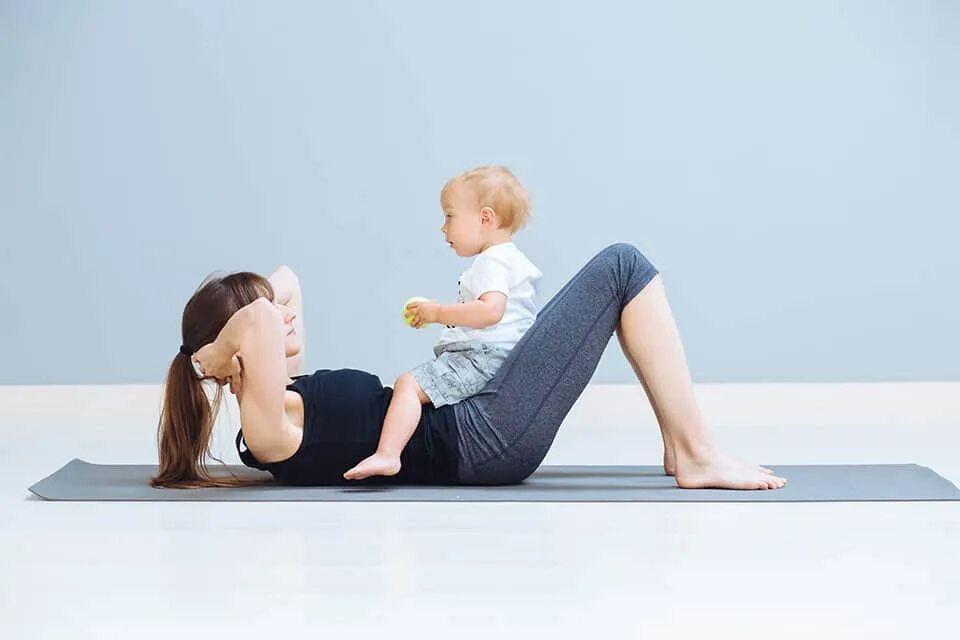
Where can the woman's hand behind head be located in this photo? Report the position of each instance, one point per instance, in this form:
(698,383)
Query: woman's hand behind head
(236,381)
(218,364)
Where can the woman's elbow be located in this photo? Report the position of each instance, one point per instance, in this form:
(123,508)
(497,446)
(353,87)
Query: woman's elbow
(287,273)
(263,312)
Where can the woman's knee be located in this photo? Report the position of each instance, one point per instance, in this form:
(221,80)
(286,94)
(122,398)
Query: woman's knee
(631,268)
(624,250)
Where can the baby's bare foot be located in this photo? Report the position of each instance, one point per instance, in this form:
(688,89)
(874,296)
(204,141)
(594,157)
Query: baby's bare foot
(716,470)
(379,464)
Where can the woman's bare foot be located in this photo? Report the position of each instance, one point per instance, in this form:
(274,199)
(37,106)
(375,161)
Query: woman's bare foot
(712,469)
(379,464)
(670,462)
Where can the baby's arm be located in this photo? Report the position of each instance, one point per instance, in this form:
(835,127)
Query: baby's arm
(482,313)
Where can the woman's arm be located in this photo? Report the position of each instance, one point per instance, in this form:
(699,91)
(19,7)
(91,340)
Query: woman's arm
(254,337)
(286,288)
(262,417)
(218,359)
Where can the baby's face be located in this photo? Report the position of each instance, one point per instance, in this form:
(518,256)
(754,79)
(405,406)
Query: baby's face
(462,222)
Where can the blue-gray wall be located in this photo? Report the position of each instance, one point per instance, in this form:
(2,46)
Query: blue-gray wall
(791,167)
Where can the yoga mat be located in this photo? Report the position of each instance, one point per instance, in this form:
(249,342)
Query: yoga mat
(80,480)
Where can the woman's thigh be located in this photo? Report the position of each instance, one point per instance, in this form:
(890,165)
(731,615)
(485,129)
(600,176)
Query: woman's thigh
(508,427)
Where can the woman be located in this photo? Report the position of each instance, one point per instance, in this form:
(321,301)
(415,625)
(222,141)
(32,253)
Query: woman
(246,331)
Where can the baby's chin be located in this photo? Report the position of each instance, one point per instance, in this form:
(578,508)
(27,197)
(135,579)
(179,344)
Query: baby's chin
(292,347)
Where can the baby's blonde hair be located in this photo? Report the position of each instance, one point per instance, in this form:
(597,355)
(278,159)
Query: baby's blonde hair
(496,187)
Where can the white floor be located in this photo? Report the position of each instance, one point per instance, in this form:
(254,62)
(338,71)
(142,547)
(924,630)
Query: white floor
(241,570)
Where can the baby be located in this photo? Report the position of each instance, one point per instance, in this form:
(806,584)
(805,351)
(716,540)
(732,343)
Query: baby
(482,209)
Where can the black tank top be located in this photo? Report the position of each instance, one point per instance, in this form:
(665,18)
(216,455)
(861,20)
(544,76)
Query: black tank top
(343,412)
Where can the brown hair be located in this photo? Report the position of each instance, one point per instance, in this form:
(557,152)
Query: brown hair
(187,417)
(496,187)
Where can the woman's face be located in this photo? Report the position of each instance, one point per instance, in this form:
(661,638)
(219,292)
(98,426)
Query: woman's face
(291,338)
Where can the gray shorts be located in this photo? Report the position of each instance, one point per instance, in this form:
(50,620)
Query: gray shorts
(460,370)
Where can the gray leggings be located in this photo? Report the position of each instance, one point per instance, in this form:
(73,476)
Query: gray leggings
(505,431)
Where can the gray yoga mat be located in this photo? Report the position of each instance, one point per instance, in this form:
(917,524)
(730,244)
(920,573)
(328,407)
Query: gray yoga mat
(80,480)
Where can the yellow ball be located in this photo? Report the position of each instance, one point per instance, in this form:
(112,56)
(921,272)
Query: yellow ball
(409,318)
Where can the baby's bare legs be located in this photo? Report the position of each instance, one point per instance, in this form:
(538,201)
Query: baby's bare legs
(403,416)
(651,342)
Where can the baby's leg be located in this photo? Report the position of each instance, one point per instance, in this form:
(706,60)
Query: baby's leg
(403,416)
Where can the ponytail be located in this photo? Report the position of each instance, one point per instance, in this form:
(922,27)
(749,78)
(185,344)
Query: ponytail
(188,415)
(185,430)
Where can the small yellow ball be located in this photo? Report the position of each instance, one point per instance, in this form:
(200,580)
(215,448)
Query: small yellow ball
(408,319)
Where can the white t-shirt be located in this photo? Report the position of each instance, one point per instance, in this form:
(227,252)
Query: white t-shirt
(502,268)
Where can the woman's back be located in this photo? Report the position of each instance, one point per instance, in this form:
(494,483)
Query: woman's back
(343,412)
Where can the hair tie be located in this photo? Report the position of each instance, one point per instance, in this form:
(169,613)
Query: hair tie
(197,369)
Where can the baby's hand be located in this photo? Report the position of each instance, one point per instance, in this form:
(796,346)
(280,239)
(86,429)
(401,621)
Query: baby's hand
(423,313)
